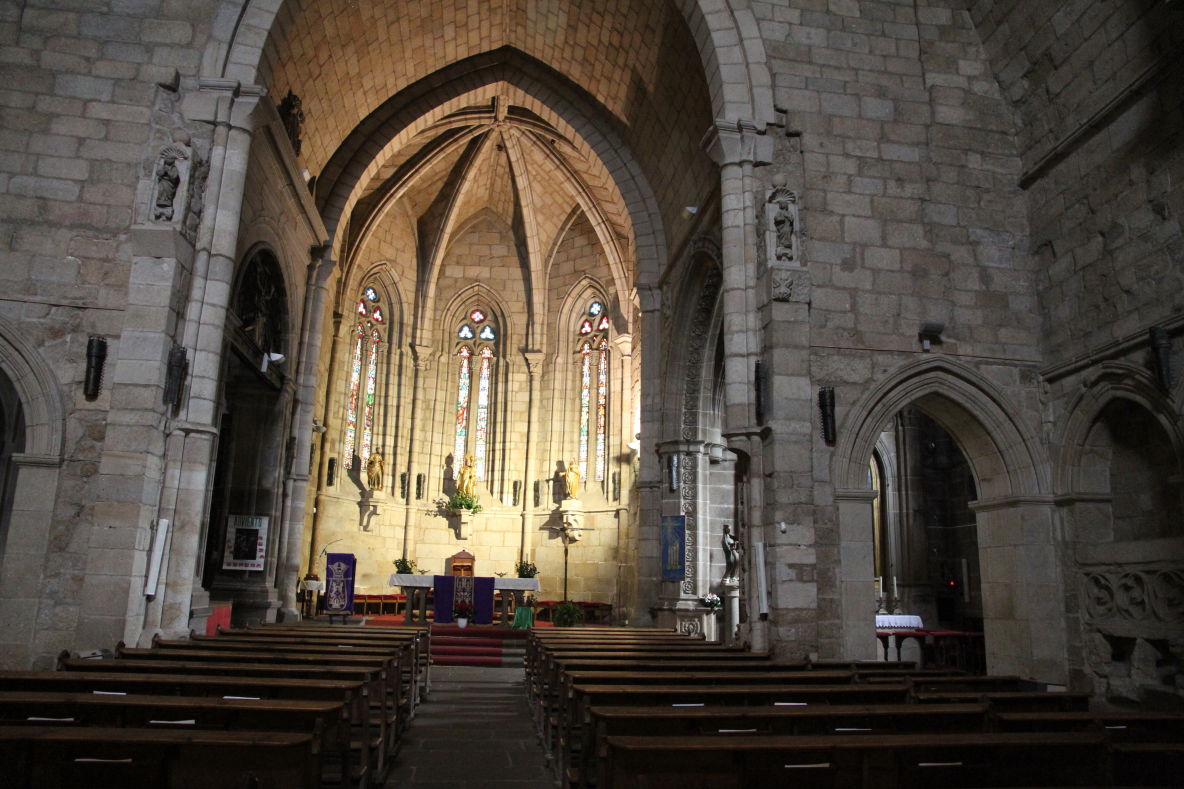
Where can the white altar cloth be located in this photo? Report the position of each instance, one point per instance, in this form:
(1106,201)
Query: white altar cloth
(898,622)
(425,582)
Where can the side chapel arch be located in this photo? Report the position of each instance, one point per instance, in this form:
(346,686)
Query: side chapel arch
(37,469)
(1018,555)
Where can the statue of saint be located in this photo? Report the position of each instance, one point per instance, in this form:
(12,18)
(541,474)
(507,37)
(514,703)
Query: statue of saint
(466,478)
(168,179)
(733,550)
(374,467)
(571,481)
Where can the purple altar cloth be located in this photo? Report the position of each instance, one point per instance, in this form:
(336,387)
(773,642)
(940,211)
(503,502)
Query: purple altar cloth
(451,588)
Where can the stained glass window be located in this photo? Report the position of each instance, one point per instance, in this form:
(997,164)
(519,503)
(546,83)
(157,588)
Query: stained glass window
(474,398)
(482,437)
(355,382)
(593,427)
(602,411)
(585,406)
(462,404)
(361,402)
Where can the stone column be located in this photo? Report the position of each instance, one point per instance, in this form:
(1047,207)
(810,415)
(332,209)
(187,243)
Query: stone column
(534,365)
(296,484)
(421,360)
(232,109)
(737,146)
(731,587)
(857,566)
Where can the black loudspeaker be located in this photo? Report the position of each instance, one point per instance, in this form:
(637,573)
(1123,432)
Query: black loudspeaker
(517,492)
(331,476)
(96,356)
(418,486)
(403,486)
(826,407)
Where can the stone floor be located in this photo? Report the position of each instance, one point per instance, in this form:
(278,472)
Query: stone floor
(473,731)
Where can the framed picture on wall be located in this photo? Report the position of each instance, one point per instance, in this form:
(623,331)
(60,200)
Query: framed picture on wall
(673,541)
(246,542)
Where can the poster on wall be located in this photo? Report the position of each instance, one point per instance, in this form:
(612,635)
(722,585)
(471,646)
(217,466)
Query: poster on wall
(246,542)
(673,534)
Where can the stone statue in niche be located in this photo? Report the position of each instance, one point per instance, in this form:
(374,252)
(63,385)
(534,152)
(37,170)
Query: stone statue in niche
(292,116)
(168,192)
(374,469)
(733,551)
(571,481)
(781,221)
(466,478)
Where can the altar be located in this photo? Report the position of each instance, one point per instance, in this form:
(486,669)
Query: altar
(416,588)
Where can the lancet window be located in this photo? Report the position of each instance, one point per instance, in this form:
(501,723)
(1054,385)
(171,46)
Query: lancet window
(476,351)
(592,343)
(366,337)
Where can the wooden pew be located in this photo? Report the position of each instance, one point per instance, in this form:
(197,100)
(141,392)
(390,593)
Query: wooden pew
(375,734)
(879,760)
(70,757)
(351,693)
(327,721)
(385,698)
(1014,701)
(811,720)
(1121,726)
(572,731)
(400,698)
(421,637)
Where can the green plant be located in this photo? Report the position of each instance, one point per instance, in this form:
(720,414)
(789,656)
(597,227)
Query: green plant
(463,501)
(567,615)
(526,569)
(405,566)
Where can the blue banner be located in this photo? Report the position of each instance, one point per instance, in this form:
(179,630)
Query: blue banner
(673,530)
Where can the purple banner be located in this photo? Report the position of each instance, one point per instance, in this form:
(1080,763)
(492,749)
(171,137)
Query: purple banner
(442,599)
(451,589)
(339,582)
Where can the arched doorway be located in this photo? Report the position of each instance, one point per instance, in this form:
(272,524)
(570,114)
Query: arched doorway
(239,562)
(1012,512)
(12,441)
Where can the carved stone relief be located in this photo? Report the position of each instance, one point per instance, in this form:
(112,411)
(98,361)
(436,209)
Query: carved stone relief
(171,184)
(782,231)
(1152,596)
(789,283)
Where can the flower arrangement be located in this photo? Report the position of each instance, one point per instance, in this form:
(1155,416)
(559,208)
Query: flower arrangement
(526,569)
(462,609)
(463,501)
(711,601)
(405,566)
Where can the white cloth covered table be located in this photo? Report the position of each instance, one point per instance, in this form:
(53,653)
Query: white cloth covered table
(898,622)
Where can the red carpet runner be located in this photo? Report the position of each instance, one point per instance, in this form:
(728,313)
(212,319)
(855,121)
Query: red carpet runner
(475,645)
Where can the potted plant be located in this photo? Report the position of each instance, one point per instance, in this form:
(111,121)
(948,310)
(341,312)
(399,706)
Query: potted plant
(711,602)
(526,569)
(567,615)
(461,502)
(462,612)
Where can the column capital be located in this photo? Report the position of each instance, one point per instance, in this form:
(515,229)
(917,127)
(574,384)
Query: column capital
(735,141)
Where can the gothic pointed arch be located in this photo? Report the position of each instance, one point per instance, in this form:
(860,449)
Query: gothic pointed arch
(1005,454)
